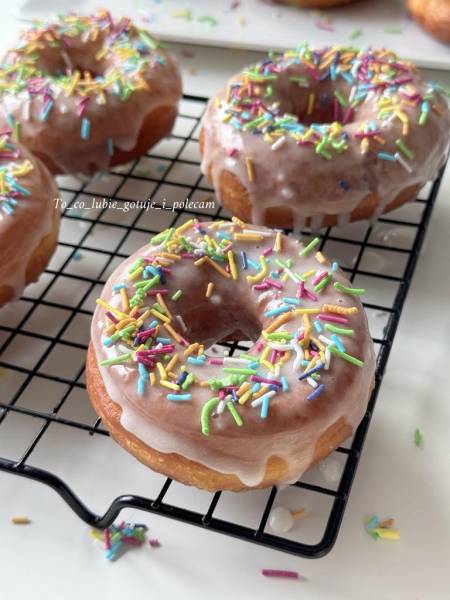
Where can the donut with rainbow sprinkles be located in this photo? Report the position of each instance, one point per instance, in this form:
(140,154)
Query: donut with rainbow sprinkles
(260,417)
(85,93)
(318,137)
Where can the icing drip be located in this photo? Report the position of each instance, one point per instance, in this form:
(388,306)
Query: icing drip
(272,290)
(331,126)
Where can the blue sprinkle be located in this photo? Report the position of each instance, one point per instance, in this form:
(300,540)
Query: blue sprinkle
(142,371)
(181,378)
(109,147)
(277,311)
(163,340)
(85,128)
(199,360)
(316,393)
(265,406)
(256,387)
(244,260)
(307,374)
(118,287)
(141,386)
(253,264)
(77,255)
(284,384)
(344,184)
(295,301)
(46,111)
(338,343)
(179,397)
(317,326)
(334,267)
(386,156)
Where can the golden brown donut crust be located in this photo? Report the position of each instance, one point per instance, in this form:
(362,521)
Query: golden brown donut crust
(235,198)
(433,16)
(180,468)
(316,3)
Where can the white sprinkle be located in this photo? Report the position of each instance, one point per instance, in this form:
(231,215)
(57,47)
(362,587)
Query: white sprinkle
(266,234)
(327,358)
(325,339)
(399,158)
(220,407)
(259,400)
(229,360)
(280,141)
(299,354)
(180,320)
(312,382)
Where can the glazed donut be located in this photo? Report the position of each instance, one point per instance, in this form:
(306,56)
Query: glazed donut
(316,3)
(220,422)
(88,93)
(433,16)
(319,137)
(29,218)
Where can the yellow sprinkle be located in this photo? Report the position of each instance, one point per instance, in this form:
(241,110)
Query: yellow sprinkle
(310,104)
(142,318)
(243,399)
(172,332)
(387,534)
(191,349)
(250,169)
(261,274)
(162,303)
(152,378)
(124,323)
(20,520)
(218,268)
(239,222)
(265,353)
(233,269)
(169,384)
(115,311)
(268,365)
(209,289)
(248,237)
(306,311)
(318,343)
(135,274)
(160,316)
(200,350)
(281,320)
(125,302)
(244,388)
(73,84)
(321,258)
(172,362)
(161,370)
(299,513)
(339,310)
(278,242)
(307,274)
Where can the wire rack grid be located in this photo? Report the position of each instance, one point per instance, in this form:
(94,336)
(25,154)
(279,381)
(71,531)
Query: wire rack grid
(44,410)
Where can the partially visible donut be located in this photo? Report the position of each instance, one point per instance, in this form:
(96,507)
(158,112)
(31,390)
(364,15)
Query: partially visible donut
(29,218)
(433,16)
(88,92)
(319,137)
(257,419)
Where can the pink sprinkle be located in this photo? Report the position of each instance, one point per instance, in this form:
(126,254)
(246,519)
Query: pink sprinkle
(261,286)
(112,317)
(265,380)
(267,251)
(154,292)
(273,283)
(273,356)
(184,341)
(231,151)
(154,543)
(187,255)
(221,395)
(318,277)
(81,107)
(215,361)
(280,573)
(107,539)
(259,346)
(128,539)
(300,290)
(332,318)
(310,295)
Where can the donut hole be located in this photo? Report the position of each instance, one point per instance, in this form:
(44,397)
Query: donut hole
(316,103)
(73,55)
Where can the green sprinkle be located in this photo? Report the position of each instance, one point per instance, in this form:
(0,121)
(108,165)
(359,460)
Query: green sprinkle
(404,148)
(279,335)
(423,118)
(307,249)
(206,411)
(348,290)
(234,413)
(188,381)
(148,41)
(339,330)
(115,360)
(418,438)
(176,296)
(348,357)
(324,282)
(239,371)
(340,98)
(355,33)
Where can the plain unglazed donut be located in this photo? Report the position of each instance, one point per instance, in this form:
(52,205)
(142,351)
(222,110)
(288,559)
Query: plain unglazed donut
(87,92)
(433,16)
(29,218)
(217,422)
(319,137)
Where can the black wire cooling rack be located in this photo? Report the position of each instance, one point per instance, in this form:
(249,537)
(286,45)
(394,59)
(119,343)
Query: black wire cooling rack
(170,173)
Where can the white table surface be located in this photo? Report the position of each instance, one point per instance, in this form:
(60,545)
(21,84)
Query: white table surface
(54,557)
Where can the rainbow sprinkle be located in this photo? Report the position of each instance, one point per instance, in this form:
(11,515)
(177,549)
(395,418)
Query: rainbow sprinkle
(147,333)
(11,191)
(251,103)
(117,538)
(384,530)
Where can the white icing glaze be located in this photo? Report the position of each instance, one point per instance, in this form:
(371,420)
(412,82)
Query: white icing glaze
(294,424)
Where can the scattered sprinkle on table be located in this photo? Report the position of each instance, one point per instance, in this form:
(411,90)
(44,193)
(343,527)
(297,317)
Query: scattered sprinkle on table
(384,530)
(418,438)
(116,539)
(280,573)
(22,520)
